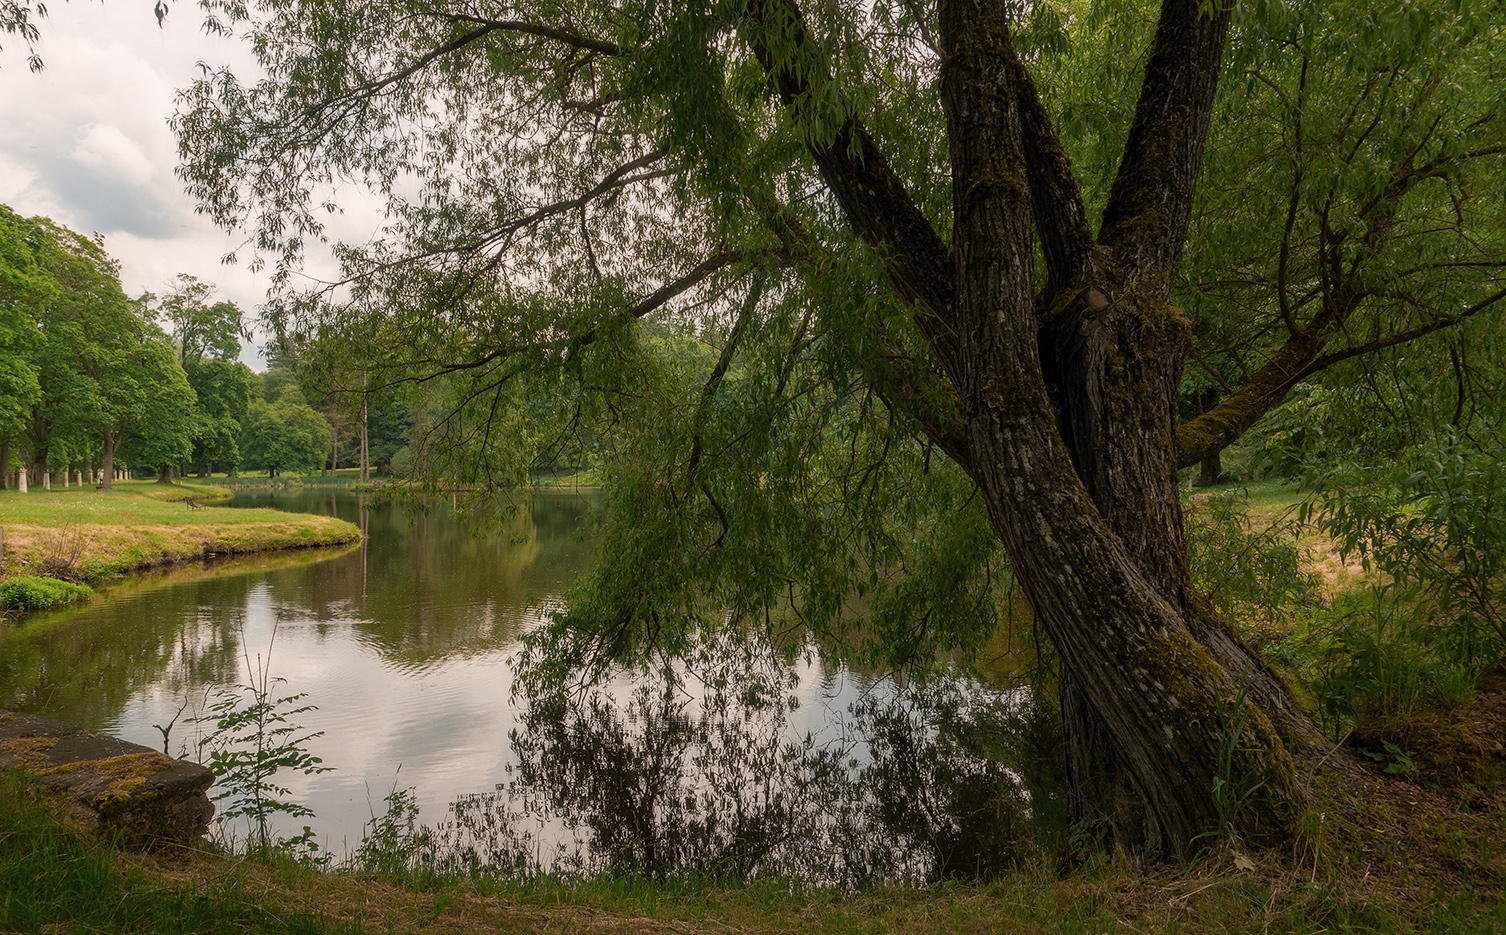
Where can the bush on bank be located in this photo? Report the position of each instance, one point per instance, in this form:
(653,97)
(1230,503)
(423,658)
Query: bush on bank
(35,593)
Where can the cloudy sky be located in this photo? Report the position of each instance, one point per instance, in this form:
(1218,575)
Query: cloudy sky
(86,141)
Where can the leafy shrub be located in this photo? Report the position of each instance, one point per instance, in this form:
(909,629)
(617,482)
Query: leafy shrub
(1250,574)
(32,593)
(1432,530)
(1436,531)
(253,736)
(1375,658)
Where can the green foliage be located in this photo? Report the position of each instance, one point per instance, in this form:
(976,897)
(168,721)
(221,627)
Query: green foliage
(1434,527)
(1252,574)
(1234,786)
(33,593)
(223,389)
(153,410)
(25,288)
(200,330)
(52,879)
(207,339)
(252,737)
(389,430)
(545,298)
(287,435)
(1398,762)
(400,464)
(84,371)
(393,842)
(1373,132)
(1375,658)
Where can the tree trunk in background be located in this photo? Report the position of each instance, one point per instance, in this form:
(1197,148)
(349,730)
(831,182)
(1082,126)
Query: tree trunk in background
(365,434)
(1211,469)
(107,463)
(4,463)
(365,441)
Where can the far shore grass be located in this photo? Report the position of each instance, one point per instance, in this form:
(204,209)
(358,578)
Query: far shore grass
(93,534)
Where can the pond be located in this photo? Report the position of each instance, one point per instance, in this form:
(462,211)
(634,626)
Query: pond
(405,648)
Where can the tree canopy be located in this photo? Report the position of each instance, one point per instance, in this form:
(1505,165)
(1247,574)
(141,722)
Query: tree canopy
(884,308)
(94,372)
(286,435)
(207,336)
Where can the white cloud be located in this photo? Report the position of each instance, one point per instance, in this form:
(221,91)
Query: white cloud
(86,142)
(106,147)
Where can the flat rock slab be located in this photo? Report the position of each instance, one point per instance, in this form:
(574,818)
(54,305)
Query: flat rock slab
(122,787)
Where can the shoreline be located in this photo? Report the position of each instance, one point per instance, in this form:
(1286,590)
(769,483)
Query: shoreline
(93,536)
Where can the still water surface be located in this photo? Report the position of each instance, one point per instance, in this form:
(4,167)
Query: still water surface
(405,646)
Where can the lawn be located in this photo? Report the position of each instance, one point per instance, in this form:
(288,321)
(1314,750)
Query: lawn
(87,534)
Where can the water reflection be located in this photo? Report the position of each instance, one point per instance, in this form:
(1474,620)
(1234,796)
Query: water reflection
(406,646)
(402,643)
(709,775)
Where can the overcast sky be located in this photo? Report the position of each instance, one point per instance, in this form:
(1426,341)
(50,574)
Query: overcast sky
(86,141)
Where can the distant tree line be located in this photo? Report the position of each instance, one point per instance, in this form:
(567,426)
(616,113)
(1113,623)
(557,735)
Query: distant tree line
(92,380)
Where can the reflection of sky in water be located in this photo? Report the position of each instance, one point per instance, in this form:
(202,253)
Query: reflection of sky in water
(444,722)
(403,645)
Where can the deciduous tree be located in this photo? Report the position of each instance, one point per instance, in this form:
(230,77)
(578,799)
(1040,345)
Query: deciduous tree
(926,335)
(286,435)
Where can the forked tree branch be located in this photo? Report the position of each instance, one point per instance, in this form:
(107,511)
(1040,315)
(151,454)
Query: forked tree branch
(1295,361)
(1061,220)
(1150,205)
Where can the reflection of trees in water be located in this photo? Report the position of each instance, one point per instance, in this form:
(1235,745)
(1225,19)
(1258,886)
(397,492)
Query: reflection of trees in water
(426,585)
(85,669)
(662,782)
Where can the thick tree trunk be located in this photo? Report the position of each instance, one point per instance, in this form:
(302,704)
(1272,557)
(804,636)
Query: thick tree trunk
(107,464)
(1190,671)
(1069,415)
(1065,405)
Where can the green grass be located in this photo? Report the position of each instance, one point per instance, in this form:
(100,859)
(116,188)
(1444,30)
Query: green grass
(86,534)
(56,878)
(33,593)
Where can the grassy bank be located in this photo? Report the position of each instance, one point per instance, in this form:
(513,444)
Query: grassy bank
(1405,860)
(84,534)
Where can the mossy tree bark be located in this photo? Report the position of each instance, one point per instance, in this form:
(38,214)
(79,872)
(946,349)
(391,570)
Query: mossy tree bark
(1066,401)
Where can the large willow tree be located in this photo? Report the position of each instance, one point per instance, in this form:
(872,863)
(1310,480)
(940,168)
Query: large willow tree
(823,284)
